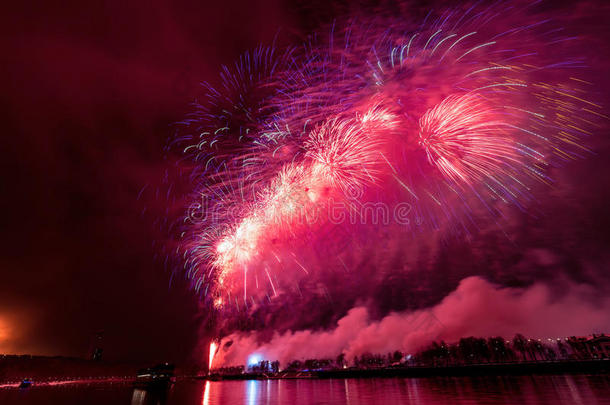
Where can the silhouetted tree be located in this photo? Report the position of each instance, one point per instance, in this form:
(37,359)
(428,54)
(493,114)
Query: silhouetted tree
(397,356)
(294,365)
(482,352)
(468,349)
(340,361)
(563,350)
(520,344)
(499,351)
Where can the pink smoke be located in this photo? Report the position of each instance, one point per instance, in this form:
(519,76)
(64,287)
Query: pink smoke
(475,308)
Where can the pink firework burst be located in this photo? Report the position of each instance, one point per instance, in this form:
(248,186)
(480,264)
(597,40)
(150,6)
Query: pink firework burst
(468,140)
(458,118)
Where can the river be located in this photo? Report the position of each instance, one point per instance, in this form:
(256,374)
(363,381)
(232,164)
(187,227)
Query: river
(556,389)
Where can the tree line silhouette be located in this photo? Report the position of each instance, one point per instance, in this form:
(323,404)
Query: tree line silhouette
(468,350)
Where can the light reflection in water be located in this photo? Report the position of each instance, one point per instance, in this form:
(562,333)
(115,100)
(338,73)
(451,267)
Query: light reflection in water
(525,390)
(252,391)
(206,394)
(149,397)
(346,392)
(574,391)
(414,390)
(138,397)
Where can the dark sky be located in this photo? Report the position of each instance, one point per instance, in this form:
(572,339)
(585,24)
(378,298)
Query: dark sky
(89,91)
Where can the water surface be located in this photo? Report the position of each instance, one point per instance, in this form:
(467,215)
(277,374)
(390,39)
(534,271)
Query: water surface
(562,389)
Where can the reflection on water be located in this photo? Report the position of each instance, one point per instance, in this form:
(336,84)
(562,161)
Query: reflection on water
(149,397)
(482,390)
(562,389)
(206,394)
(253,391)
(138,397)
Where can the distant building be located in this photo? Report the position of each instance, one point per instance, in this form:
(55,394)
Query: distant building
(595,346)
(97,351)
(97,354)
(599,346)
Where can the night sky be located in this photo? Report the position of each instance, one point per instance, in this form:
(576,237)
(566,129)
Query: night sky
(89,93)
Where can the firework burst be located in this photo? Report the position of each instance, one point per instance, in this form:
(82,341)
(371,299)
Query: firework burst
(468,141)
(463,111)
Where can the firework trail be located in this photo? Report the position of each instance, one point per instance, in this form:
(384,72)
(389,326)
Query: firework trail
(457,116)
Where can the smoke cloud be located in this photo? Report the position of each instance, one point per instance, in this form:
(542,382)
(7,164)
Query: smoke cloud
(475,308)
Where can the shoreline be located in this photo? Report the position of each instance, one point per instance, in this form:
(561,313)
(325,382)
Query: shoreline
(601,366)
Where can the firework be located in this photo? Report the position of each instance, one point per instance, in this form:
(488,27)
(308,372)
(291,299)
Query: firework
(212,349)
(467,141)
(462,115)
